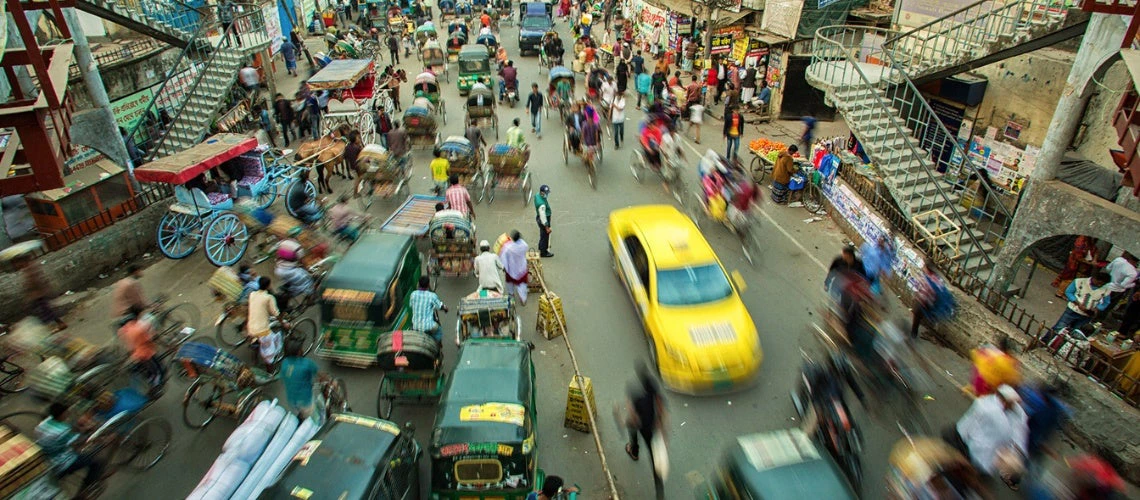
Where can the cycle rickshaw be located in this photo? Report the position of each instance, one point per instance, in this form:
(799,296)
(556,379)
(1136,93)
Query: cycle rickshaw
(669,167)
(594,91)
(487,314)
(223,385)
(412,362)
(419,123)
(507,168)
(199,216)
(447,11)
(466,160)
(489,41)
(424,33)
(591,156)
(385,174)
(427,86)
(481,109)
(561,89)
(546,59)
(452,240)
(455,42)
(710,201)
(436,60)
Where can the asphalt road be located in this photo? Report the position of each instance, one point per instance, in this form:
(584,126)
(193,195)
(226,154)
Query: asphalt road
(784,291)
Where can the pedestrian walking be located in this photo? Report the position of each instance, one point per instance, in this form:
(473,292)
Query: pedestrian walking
(617,118)
(879,260)
(809,133)
(265,122)
(534,103)
(644,81)
(226,18)
(38,292)
(513,254)
(289,54)
(283,111)
(638,63)
(313,108)
(542,216)
(393,47)
(249,77)
(622,75)
(646,417)
(298,375)
(696,117)
(382,122)
(733,129)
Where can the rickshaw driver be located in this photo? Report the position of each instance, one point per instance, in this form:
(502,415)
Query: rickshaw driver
(424,304)
(57,439)
(554,48)
(463,7)
(137,335)
(488,268)
(510,79)
(344,220)
(515,137)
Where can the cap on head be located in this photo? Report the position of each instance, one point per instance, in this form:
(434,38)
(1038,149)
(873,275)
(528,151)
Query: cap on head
(484,245)
(544,189)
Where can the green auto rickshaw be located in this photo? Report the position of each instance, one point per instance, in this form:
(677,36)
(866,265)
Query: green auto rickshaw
(353,457)
(773,465)
(483,445)
(474,65)
(366,295)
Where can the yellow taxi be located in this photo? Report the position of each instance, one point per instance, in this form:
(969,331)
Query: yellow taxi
(701,337)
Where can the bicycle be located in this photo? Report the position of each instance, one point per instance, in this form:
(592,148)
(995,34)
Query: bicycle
(12,363)
(805,181)
(334,397)
(230,325)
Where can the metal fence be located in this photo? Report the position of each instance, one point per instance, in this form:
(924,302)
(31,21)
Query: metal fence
(123,53)
(1079,357)
(146,197)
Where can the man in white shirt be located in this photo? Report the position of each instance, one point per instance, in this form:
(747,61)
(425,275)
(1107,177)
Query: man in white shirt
(994,425)
(617,118)
(262,309)
(249,77)
(1123,272)
(488,268)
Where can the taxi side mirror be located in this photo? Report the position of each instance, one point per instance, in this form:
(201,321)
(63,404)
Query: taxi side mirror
(738,280)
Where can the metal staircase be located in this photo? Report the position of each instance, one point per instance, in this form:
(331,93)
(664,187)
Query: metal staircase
(170,21)
(869,75)
(196,85)
(982,33)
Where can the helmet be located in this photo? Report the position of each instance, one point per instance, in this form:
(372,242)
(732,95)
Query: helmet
(289,250)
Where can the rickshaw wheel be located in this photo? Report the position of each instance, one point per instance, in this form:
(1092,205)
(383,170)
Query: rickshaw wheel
(172,321)
(310,189)
(178,235)
(144,445)
(227,238)
(267,195)
(443,110)
(591,173)
(483,187)
(565,150)
(248,403)
(201,397)
(495,123)
(813,198)
(385,398)
(304,331)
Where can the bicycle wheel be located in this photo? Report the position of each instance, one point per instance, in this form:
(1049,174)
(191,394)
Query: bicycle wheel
(385,398)
(813,198)
(13,375)
(592,174)
(759,170)
(174,320)
(336,398)
(198,405)
(144,445)
(231,329)
(304,331)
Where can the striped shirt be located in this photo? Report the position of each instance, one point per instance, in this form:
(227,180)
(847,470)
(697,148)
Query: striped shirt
(424,304)
(55,438)
(458,198)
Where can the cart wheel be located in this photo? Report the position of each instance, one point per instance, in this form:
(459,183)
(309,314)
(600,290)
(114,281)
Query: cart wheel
(198,405)
(144,445)
(527,189)
(178,235)
(385,398)
(310,189)
(226,240)
(304,331)
(266,195)
(813,198)
(173,321)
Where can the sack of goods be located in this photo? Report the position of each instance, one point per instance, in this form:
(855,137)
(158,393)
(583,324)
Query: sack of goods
(508,160)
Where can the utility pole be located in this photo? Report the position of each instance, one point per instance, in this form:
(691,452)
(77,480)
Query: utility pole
(708,8)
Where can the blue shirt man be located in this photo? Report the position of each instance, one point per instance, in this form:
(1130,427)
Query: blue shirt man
(424,303)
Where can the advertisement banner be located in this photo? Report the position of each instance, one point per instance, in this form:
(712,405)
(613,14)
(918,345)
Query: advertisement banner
(129,110)
(739,49)
(756,48)
(272,28)
(722,39)
(782,17)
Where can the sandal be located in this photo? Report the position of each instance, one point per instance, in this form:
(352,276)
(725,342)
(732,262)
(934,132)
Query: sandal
(629,451)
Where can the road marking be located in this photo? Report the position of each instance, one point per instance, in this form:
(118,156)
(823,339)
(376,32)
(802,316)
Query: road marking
(769,217)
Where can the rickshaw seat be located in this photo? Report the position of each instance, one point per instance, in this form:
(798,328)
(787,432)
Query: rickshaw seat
(204,202)
(252,171)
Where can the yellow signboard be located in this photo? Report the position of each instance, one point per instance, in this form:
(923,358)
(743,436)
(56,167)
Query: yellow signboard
(739,49)
(504,413)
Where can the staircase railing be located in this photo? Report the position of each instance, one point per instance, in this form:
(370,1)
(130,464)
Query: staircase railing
(836,57)
(972,26)
(176,91)
(174,13)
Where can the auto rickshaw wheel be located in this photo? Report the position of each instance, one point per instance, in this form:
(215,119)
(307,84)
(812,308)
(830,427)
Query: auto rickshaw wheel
(145,444)
(385,398)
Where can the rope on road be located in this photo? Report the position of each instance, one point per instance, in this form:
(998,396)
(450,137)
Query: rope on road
(581,383)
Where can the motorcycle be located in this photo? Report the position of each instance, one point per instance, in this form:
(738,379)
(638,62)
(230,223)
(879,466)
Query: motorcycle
(511,94)
(819,397)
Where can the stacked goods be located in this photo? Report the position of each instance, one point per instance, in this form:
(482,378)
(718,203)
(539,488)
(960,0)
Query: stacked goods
(508,160)
(549,312)
(24,470)
(767,148)
(581,389)
(418,121)
(533,270)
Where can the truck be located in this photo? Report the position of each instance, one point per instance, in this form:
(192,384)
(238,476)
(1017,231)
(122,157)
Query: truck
(535,20)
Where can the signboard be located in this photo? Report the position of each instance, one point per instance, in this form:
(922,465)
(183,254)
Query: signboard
(915,13)
(272,28)
(722,39)
(129,110)
(739,49)
(782,17)
(756,48)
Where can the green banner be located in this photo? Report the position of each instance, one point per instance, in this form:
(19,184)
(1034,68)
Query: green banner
(129,110)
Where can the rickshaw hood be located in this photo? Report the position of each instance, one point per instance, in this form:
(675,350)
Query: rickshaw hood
(370,264)
(488,397)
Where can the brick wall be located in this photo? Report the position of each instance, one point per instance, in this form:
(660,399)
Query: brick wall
(77,265)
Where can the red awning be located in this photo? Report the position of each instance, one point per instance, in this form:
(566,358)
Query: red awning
(183,166)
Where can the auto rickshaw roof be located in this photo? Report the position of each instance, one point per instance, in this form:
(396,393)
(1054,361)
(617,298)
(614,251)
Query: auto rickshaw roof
(786,464)
(341,74)
(190,163)
(370,264)
(344,459)
(489,373)
(474,52)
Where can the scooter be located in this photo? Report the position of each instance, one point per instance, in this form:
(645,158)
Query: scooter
(834,426)
(512,92)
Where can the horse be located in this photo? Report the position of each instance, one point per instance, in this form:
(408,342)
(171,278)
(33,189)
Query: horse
(328,150)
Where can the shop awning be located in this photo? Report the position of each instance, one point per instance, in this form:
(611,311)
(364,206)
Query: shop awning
(684,7)
(766,37)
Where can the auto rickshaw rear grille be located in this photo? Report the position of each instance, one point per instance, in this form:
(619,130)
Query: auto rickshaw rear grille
(478,471)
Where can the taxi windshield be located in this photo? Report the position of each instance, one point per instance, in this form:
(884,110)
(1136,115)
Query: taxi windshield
(687,286)
(479,66)
(535,23)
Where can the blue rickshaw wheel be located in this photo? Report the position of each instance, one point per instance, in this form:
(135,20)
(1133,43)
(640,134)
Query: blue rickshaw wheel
(226,240)
(177,235)
(267,194)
